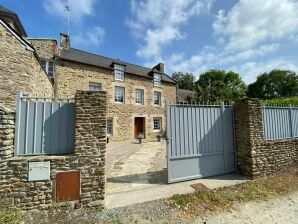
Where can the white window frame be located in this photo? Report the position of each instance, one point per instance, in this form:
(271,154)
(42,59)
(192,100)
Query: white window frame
(137,100)
(110,121)
(159,124)
(159,98)
(119,72)
(94,85)
(117,94)
(156,80)
(46,66)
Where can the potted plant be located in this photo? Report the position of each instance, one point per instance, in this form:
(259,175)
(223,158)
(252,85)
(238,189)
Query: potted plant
(140,137)
(158,136)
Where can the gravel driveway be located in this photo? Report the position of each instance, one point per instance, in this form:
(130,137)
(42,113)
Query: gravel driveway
(280,210)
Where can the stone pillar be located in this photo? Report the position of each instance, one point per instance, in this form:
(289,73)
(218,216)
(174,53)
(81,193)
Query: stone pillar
(7,126)
(249,134)
(90,144)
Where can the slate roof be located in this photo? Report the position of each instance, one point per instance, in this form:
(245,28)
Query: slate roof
(4,12)
(101,61)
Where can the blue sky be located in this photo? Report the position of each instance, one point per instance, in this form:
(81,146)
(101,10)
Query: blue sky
(246,36)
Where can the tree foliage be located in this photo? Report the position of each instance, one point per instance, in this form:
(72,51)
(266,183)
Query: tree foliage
(275,84)
(217,85)
(185,80)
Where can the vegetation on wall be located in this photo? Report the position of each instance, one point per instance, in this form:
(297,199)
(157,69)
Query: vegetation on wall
(283,101)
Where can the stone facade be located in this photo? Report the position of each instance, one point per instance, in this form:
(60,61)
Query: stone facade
(19,70)
(255,156)
(72,76)
(88,158)
(45,48)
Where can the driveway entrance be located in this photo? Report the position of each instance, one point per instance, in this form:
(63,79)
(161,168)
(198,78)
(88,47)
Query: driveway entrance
(132,166)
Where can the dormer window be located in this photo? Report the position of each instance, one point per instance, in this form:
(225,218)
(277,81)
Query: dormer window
(157,80)
(48,66)
(119,72)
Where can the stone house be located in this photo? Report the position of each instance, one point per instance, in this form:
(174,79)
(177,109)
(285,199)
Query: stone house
(136,95)
(20,67)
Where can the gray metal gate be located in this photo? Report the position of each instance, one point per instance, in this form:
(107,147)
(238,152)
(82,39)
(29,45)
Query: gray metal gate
(200,141)
(44,125)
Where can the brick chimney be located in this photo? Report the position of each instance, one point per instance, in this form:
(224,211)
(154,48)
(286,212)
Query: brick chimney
(160,67)
(64,41)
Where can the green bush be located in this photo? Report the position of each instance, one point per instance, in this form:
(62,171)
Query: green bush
(284,101)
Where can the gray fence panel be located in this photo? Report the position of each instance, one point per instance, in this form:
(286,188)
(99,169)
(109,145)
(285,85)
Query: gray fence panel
(280,122)
(44,127)
(200,141)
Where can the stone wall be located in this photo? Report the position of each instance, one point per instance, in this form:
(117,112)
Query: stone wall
(20,70)
(45,48)
(88,158)
(71,76)
(255,156)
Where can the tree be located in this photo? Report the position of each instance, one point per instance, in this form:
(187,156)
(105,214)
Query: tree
(217,85)
(275,84)
(185,80)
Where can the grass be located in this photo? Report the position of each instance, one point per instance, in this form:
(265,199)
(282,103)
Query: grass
(222,199)
(9,216)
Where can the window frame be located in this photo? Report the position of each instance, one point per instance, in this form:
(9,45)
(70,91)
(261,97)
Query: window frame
(160,124)
(115,96)
(112,126)
(46,65)
(156,81)
(94,84)
(159,93)
(119,70)
(142,99)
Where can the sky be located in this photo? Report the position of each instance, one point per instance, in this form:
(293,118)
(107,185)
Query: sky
(246,36)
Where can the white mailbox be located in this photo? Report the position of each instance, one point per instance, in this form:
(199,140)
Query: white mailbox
(39,171)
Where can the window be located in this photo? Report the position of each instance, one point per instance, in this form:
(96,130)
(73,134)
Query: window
(119,94)
(110,126)
(157,80)
(94,87)
(157,124)
(119,72)
(48,67)
(157,97)
(139,96)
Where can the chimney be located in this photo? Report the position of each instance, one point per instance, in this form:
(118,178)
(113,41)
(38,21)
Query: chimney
(64,41)
(160,67)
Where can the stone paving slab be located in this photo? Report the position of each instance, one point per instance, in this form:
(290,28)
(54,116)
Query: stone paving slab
(135,166)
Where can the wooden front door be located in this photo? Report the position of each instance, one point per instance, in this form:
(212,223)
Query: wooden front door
(139,126)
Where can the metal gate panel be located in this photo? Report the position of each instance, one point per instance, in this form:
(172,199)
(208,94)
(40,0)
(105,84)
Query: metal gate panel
(44,126)
(200,141)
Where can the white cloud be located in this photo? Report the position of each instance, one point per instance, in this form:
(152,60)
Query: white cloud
(250,70)
(93,36)
(79,8)
(158,23)
(251,22)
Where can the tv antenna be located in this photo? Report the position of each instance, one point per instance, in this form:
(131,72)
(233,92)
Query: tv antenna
(67,8)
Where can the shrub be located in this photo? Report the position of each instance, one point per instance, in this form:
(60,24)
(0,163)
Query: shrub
(282,101)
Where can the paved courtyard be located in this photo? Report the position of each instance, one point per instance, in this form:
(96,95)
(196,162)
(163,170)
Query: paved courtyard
(131,165)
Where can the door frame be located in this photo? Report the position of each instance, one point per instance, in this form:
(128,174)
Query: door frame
(144,126)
